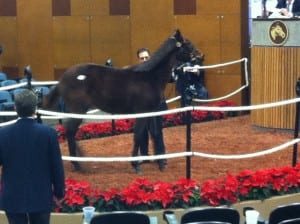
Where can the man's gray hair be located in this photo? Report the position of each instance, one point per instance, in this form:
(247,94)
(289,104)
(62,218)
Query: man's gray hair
(25,103)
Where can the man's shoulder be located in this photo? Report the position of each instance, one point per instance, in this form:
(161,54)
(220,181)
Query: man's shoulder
(45,126)
(6,130)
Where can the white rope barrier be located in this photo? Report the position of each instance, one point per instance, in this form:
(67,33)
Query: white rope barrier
(58,115)
(34,83)
(44,83)
(115,116)
(8,113)
(126,159)
(249,155)
(7,123)
(252,107)
(171,111)
(173,99)
(182,154)
(197,67)
(14,86)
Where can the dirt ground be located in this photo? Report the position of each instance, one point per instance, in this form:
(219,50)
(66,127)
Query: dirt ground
(225,137)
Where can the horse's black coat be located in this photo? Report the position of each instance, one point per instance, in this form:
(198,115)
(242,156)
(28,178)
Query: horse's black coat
(134,89)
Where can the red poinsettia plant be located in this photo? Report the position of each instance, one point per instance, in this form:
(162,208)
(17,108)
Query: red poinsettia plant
(143,194)
(108,128)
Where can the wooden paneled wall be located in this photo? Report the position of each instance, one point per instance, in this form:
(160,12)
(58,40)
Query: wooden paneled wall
(274,80)
(52,35)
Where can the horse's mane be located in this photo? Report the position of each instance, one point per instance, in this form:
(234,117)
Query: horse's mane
(165,49)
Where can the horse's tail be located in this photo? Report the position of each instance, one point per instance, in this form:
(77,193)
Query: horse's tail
(51,100)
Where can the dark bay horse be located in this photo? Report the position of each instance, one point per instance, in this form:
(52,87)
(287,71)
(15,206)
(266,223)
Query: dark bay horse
(134,89)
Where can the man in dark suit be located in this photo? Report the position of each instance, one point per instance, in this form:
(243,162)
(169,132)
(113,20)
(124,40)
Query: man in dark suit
(32,168)
(154,125)
(289,8)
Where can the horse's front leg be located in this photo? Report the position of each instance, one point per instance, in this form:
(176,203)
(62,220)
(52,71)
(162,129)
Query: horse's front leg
(72,126)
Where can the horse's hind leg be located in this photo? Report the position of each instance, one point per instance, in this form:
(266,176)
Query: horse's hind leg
(72,126)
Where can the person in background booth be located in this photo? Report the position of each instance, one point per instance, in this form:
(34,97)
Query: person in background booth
(190,84)
(285,9)
(154,125)
(269,7)
(32,167)
(289,8)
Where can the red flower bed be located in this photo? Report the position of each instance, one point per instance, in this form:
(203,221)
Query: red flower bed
(142,194)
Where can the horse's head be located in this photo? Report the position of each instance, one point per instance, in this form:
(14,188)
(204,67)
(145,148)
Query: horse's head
(187,51)
(187,55)
(175,52)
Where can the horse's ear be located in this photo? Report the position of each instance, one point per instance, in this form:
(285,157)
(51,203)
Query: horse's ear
(178,36)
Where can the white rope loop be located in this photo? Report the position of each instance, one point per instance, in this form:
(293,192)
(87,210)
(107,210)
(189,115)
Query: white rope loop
(197,68)
(182,154)
(58,115)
